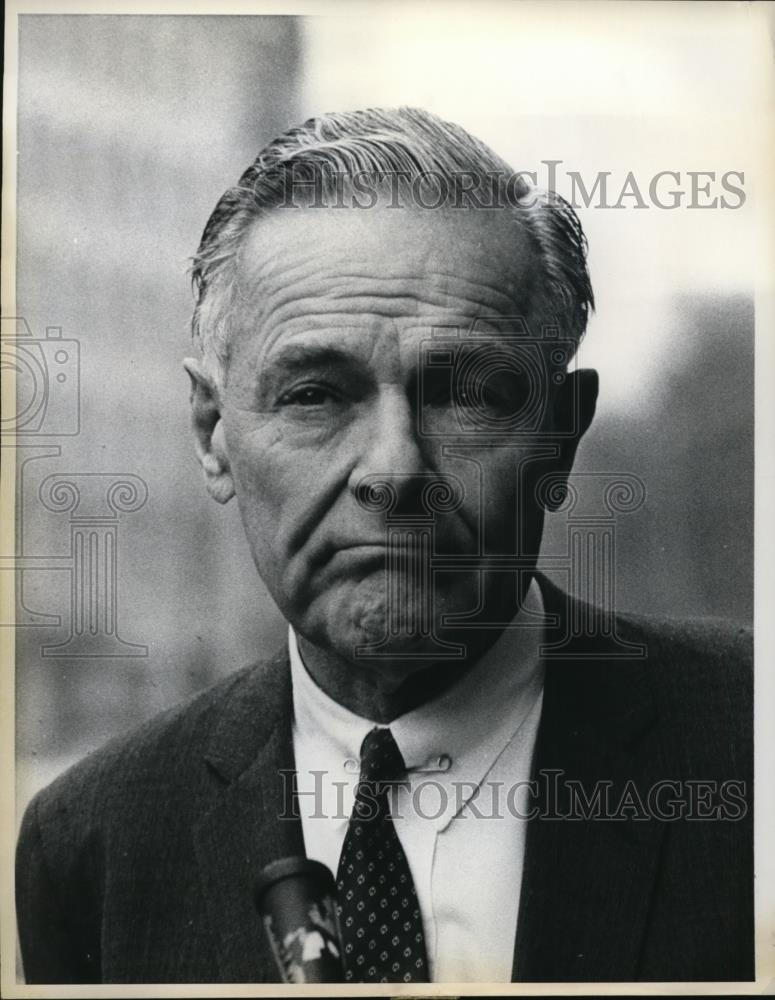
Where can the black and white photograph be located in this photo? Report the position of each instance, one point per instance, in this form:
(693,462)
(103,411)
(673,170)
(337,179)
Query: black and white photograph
(386,470)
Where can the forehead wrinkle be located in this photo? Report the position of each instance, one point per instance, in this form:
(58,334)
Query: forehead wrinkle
(291,244)
(370,310)
(288,282)
(362,328)
(288,263)
(389,298)
(436,287)
(354,339)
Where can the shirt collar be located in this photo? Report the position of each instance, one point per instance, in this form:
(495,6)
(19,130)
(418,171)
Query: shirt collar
(454,739)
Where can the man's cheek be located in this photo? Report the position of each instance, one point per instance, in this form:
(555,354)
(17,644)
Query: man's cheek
(266,474)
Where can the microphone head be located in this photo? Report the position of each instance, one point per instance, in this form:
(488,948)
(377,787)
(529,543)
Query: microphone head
(296,898)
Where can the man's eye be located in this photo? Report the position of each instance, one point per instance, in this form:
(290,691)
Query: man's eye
(482,396)
(307,395)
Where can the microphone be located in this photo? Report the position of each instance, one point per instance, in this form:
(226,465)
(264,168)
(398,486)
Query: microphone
(296,899)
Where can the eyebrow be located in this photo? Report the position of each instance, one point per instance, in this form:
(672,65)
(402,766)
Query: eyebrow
(301,357)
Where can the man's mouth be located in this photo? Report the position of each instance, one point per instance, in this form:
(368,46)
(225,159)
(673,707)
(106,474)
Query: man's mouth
(374,555)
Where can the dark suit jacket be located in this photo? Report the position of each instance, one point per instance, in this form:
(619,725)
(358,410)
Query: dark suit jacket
(137,865)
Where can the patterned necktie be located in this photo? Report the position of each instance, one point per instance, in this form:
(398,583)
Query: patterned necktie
(378,910)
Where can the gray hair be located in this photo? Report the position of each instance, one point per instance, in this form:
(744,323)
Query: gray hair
(380,142)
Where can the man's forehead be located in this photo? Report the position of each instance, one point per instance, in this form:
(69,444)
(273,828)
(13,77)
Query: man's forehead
(410,343)
(457,251)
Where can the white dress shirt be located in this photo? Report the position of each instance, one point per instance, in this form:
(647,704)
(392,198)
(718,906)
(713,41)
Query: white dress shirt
(460,815)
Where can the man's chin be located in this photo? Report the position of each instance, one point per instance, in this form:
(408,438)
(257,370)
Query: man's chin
(361,624)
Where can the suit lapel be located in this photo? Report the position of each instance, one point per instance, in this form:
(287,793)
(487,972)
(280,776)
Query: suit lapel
(587,883)
(251,752)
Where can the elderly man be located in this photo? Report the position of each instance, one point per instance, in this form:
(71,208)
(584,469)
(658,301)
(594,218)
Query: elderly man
(386,315)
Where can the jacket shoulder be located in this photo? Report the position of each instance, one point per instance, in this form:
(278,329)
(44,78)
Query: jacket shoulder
(156,765)
(694,675)
(703,654)
(700,672)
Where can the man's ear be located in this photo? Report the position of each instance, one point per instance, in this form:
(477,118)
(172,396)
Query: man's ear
(574,404)
(208,433)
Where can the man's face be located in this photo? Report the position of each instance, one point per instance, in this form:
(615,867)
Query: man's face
(329,387)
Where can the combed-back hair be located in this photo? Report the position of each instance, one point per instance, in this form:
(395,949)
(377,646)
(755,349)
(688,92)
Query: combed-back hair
(414,145)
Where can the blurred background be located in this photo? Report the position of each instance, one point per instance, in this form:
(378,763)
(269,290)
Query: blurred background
(130,128)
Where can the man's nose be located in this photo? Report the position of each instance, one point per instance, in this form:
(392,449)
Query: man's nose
(392,452)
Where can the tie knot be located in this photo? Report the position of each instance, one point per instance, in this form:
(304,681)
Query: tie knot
(381,759)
